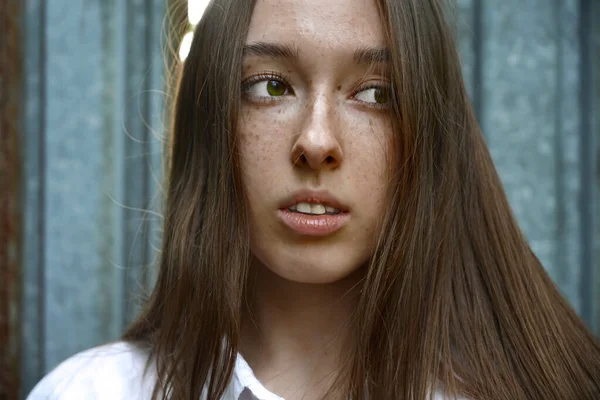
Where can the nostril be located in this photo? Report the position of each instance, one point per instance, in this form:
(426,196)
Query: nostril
(329,160)
(303,158)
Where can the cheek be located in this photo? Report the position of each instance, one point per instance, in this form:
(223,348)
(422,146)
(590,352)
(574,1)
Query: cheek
(372,160)
(261,149)
(373,150)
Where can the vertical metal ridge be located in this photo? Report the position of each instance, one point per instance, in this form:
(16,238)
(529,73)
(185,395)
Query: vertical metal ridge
(560,216)
(156,112)
(478,43)
(42,193)
(587,157)
(125,245)
(147,175)
(33,232)
(137,149)
(121,12)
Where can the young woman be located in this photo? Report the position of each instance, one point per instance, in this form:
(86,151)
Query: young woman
(335,228)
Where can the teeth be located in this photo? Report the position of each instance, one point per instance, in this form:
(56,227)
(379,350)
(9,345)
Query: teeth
(303,208)
(317,209)
(313,208)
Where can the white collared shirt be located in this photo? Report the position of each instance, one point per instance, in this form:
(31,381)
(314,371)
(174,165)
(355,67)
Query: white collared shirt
(117,372)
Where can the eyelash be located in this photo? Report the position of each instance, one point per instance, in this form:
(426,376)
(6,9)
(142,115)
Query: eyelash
(265,76)
(373,86)
(276,76)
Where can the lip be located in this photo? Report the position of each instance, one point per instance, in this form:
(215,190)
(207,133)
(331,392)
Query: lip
(313,225)
(314,196)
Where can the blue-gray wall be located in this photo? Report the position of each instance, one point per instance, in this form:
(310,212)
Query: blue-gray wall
(94,87)
(92,122)
(529,67)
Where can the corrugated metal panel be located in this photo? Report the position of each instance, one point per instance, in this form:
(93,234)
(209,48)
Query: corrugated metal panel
(94,82)
(534,141)
(526,72)
(94,99)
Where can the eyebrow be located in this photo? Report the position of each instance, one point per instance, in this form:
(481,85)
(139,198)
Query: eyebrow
(370,55)
(273,50)
(365,55)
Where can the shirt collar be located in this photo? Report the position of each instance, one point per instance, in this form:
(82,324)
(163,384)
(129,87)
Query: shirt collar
(245,381)
(245,386)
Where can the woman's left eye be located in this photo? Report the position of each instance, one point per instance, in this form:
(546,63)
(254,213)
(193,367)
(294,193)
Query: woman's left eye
(379,95)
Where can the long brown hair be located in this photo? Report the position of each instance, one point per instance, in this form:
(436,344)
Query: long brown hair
(453,296)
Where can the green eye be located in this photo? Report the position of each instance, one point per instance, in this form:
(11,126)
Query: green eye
(381,95)
(276,88)
(377,96)
(266,88)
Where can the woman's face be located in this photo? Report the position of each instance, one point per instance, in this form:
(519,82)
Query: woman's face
(315,135)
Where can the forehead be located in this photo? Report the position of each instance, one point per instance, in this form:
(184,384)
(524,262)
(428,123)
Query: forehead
(317,23)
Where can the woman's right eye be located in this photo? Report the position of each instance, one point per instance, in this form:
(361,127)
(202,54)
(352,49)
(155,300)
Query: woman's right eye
(267,88)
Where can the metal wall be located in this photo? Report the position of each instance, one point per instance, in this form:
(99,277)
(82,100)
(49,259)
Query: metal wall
(93,86)
(529,66)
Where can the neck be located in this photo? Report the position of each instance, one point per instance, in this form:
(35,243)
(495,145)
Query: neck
(294,334)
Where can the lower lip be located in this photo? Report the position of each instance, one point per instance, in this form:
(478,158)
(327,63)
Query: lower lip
(313,225)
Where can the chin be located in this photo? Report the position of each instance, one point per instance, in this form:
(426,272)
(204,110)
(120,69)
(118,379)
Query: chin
(317,268)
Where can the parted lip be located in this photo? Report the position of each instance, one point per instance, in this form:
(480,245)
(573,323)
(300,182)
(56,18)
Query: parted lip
(313,196)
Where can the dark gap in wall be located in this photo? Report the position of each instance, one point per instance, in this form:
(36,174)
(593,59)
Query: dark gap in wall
(42,194)
(146,112)
(478,43)
(561,195)
(595,55)
(126,245)
(587,160)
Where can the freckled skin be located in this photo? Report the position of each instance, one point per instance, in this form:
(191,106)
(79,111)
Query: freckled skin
(322,120)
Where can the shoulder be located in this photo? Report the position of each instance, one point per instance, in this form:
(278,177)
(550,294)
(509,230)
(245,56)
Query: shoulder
(113,371)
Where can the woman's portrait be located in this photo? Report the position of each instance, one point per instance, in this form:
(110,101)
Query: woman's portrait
(308,199)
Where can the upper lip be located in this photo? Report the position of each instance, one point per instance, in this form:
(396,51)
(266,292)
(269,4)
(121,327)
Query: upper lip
(313,196)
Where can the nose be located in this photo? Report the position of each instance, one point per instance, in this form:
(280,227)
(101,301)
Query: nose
(318,147)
